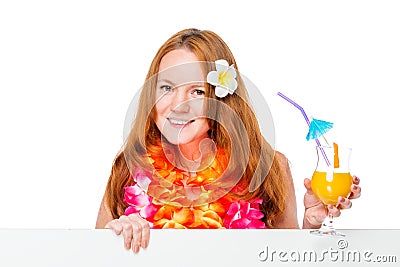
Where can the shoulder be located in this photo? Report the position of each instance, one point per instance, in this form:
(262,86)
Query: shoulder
(280,156)
(104,215)
(284,166)
(282,160)
(288,218)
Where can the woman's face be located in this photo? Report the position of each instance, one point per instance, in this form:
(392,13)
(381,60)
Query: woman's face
(179,100)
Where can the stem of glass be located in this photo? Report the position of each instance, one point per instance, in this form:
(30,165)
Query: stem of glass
(327,227)
(328,223)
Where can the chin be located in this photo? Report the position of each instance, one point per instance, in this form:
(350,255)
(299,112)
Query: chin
(176,142)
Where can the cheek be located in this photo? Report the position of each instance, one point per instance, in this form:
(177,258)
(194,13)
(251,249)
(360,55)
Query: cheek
(197,107)
(161,108)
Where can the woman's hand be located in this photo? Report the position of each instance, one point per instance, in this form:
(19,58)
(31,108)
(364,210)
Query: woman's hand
(315,211)
(135,230)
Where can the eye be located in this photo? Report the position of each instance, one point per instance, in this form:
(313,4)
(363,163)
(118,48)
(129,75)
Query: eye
(166,88)
(199,92)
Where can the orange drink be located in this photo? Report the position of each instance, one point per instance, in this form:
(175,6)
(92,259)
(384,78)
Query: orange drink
(329,188)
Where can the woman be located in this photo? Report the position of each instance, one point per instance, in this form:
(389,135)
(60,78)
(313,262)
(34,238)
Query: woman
(196,158)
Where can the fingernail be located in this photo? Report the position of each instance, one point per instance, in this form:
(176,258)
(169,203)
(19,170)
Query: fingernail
(145,244)
(341,199)
(136,249)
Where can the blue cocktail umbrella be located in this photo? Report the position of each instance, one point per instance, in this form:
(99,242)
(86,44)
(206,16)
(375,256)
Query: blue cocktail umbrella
(318,128)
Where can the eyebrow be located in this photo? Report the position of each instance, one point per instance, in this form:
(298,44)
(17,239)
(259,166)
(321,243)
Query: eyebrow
(165,80)
(191,84)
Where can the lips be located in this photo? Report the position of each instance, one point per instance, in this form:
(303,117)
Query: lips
(179,122)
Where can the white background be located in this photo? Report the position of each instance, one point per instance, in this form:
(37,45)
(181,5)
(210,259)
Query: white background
(69,69)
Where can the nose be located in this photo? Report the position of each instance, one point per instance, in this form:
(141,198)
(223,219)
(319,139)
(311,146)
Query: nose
(180,101)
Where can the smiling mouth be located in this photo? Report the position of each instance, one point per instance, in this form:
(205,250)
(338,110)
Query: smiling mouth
(179,123)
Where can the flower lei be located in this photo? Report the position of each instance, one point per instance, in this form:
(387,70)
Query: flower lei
(180,211)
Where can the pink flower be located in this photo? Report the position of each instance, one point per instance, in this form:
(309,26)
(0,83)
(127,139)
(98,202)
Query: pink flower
(244,215)
(139,202)
(142,178)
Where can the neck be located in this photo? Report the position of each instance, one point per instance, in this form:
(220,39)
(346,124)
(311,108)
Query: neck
(189,153)
(191,156)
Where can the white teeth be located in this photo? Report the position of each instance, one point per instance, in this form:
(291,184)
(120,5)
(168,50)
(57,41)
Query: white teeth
(178,122)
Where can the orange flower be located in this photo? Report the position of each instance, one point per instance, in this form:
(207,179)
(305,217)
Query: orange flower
(200,217)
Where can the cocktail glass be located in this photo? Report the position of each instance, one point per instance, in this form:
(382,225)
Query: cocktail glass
(331,180)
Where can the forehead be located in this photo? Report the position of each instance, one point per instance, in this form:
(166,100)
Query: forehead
(181,66)
(177,57)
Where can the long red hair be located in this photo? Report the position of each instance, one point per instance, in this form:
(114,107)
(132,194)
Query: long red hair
(260,174)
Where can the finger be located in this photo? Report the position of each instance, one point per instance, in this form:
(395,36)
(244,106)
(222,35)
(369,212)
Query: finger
(344,203)
(356,180)
(307,185)
(145,230)
(136,234)
(145,234)
(333,210)
(127,231)
(115,226)
(355,191)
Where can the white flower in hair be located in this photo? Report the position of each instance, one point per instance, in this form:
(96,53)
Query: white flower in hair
(223,78)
